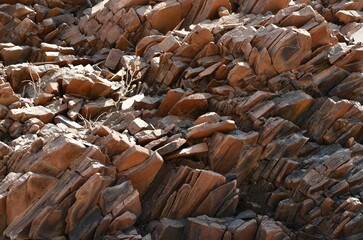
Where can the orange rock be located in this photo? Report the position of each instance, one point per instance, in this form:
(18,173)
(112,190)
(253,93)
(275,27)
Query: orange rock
(86,198)
(190,106)
(123,222)
(171,98)
(215,199)
(23,114)
(171,146)
(238,73)
(25,191)
(207,129)
(170,10)
(147,136)
(132,157)
(14,54)
(347,16)
(137,125)
(7,95)
(143,174)
(190,151)
(225,149)
(291,50)
(78,84)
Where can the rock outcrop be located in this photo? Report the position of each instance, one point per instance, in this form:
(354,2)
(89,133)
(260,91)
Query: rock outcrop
(180,119)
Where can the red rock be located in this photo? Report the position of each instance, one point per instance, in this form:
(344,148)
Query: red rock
(96,108)
(190,151)
(115,143)
(19,197)
(268,230)
(171,98)
(207,129)
(168,10)
(115,6)
(247,230)
(171,146)
(14,54)
(7,95)
(168,228)
(79,85)
(133,156)
(147,136)
(203,228)
(287,73)
(297,39)
(298,101)
(137,125)
(113,58)
(215,199)
(211,117)
(143,174)
(4,149)
(347,16)
(23,114)
(238,73)
(86,198)
(225,149)
(123,222)
(190,106)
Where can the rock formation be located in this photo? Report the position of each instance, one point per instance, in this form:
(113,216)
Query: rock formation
(180,119)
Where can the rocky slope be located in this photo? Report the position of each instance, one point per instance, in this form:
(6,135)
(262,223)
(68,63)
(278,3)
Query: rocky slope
(181,119)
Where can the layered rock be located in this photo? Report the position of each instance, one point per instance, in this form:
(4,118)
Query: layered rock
(181,119)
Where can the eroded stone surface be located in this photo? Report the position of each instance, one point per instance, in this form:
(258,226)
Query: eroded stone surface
(180,119)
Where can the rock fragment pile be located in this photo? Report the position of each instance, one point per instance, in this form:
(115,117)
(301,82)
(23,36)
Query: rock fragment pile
(179,119)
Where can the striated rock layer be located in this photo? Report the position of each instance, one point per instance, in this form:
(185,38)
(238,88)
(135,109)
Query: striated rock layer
(180,119)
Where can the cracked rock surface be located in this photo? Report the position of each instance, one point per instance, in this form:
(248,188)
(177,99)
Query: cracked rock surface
(181,119)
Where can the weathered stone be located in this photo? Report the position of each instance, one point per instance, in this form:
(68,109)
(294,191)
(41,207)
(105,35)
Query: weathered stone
(133,156)
(203,228)
(347,16)
(190,151)
(225,149)
(287,73)
(143,174)
(190,106)
(207,129)
(171,146)
(14,54)
(123,222)
(171,98)
(169,228)
(147,136)
(238,73)
(23,114)
(137,125)
(7,95)
(55,156)
(96,108)
(293,104)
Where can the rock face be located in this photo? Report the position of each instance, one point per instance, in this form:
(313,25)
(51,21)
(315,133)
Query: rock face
(180,119)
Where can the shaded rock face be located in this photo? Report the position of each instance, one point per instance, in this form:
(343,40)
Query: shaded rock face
(180,119)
